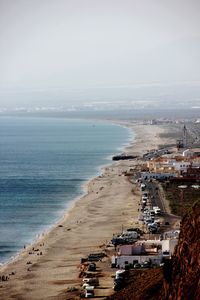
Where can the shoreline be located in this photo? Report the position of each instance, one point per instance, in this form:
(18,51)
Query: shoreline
(79,214)
(69,205)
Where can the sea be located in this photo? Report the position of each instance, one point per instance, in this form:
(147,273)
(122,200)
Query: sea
(44,163)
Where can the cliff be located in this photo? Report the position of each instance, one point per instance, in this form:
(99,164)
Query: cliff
(143,284)
(182,274)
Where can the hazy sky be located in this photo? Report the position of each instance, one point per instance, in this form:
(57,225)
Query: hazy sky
(60,47)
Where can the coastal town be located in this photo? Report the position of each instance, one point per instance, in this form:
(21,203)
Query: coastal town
(145,239)
(151,244)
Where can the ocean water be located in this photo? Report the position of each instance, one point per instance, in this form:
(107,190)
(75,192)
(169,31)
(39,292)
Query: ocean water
(43,164)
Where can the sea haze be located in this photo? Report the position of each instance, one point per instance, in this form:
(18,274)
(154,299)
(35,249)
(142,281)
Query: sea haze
(43,164)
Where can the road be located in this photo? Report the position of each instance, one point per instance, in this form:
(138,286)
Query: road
(168,221)
(155,195)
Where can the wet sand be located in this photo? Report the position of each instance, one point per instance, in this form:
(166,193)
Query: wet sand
(46,269)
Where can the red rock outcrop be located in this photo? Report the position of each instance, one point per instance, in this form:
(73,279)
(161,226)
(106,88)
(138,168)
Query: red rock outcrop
(182,275)
(143,284)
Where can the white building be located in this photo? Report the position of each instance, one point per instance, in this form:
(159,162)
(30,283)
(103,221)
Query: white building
(181,166)
(142,251)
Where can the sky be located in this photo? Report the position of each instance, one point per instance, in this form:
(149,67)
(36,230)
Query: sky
(60,52)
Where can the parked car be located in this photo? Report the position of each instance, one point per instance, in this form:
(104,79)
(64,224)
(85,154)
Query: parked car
(144,199)
(92,267)
(146,264)
(152,213)
(145,194)
(148,221)
(152,228)
(89,292)
(157,210)
(91,281)
(120,274)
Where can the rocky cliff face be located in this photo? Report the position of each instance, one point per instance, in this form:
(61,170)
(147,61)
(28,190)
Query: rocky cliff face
(182,274)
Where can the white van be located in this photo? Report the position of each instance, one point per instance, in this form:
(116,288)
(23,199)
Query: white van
(157,210)
(89,292)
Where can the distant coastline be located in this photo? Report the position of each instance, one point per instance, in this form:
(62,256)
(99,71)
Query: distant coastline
(125,113)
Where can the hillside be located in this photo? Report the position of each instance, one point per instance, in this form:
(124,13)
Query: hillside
(183,280)
(180,278)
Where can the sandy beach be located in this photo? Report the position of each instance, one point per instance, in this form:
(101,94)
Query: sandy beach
(46,269)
